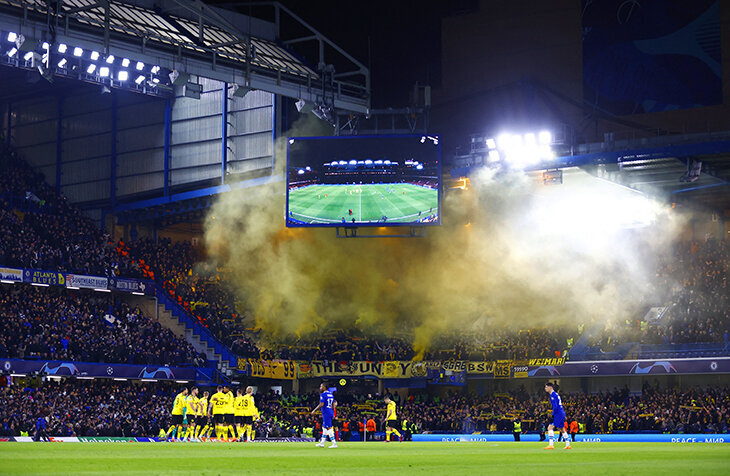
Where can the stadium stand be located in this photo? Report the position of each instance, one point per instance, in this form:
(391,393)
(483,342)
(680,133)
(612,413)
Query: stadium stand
(83,408)
(87,408)
(44,231)
(52,323)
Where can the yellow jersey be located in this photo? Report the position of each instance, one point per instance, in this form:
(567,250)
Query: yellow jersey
(203,408)
(219,404)
(249,406)
(177,407)
(391,411)
(228,408)
(191,403)
(238,406)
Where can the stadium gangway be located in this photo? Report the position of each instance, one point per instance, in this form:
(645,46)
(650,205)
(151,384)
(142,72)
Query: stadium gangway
(197,329)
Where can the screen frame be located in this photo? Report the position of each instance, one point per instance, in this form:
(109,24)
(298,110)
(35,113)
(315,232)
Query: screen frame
(435,137)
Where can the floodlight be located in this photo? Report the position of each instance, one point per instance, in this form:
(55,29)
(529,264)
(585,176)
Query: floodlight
(504,141)
(91,68)
(62,63)
(61,48)
(78,51)
(125,62)
(123,76)
(94,55)
(419,167)
(368,162)
(491,143)
(546,152)
(378,162)
(545,138)
(12,36)
(103,71)
(386,162)
(530,139)
(45,45)
(493,156)
(28,56)
(300,171)
(110,59)
(308,168)
(12,52)
(156,80)
(140,66)
(155,69)
(353,162)
(342,162)
(139,79)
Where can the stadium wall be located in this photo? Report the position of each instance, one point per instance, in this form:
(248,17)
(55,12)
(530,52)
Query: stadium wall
(99,149)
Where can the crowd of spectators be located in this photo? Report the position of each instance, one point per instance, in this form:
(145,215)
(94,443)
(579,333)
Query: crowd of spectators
(692,280)
(42,230)
(59,324)
(89,408)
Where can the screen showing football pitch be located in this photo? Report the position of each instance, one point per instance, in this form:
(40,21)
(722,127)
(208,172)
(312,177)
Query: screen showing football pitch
(363,181)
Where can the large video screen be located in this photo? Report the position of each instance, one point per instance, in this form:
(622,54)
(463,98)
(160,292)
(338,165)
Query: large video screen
(363,181)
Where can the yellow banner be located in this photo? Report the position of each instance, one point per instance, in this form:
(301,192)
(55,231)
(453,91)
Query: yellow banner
(391,369)
(548,362)
(276,369)
(503,369)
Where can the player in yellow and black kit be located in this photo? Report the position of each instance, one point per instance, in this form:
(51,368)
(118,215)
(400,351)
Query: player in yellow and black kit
(178,410)
(203,430)
(191,413)
(246,412)
(391,419)
(223,414)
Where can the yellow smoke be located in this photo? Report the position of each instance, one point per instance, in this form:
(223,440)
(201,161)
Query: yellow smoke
(489,266)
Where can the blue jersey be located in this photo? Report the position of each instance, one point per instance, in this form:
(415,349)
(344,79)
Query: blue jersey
(327,400)
(328,410)
(557,404)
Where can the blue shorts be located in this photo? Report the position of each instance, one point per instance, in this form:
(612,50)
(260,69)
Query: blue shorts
(559,422)
(327,417)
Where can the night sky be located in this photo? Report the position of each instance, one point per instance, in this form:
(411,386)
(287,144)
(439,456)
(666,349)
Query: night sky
(399,39)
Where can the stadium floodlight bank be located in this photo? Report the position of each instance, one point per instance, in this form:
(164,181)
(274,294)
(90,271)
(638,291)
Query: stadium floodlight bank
(354,181)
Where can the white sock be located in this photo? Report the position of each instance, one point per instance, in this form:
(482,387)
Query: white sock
(566,437)
(551,437)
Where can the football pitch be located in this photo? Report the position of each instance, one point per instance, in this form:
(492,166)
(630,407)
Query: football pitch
(329,204)
(364,458)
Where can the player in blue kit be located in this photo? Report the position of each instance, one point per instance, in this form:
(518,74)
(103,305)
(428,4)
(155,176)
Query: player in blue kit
(327,403)
(558,418)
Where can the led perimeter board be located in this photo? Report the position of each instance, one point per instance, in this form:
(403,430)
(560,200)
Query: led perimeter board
(363,181)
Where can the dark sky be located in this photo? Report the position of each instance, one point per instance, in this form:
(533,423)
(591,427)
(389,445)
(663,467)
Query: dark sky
(399,39)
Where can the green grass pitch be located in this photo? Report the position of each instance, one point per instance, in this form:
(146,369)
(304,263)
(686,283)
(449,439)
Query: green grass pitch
(400,202)
(364,458)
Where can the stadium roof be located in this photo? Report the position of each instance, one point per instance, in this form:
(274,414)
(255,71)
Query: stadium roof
(193,37)
(682,168)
